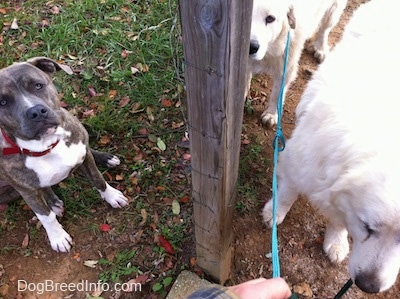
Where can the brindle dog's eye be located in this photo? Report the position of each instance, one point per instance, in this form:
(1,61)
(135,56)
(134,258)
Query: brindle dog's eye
(269,19)
(3,102)
(39,86)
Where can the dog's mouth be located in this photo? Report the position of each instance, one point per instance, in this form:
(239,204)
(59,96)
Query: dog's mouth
(50,130)
(35,131)
(46,129)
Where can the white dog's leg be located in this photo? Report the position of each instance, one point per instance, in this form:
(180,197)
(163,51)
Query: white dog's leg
(60,240)
(336,245)
(286,196)
(332,16)
(269,117)
(114,197)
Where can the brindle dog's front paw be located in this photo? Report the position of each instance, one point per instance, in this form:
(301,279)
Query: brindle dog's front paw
(105,159)
(59,239)
(114,197)
(62,242)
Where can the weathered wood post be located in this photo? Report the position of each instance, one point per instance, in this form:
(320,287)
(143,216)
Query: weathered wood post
(216,37)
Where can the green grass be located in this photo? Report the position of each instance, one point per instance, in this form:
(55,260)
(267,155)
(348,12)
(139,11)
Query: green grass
(92,37)
(120,267)
(248,187)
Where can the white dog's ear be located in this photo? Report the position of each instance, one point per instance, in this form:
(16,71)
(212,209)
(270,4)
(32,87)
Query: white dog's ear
(291,17)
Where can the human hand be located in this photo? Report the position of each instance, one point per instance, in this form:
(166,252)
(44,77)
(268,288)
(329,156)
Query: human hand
(261,288)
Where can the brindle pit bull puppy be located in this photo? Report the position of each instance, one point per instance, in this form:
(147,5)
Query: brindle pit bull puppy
(41,144)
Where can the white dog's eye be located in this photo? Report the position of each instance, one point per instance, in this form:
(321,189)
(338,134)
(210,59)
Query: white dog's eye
(269,19)
(369,230)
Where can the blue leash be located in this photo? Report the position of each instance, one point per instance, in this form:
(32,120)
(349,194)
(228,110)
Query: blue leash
(279,145)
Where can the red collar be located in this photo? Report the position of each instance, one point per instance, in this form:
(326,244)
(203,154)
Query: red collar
(15,149)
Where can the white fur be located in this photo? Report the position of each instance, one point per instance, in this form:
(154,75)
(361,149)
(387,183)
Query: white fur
(60,240)
(114,197)
(45,141)
(55,166)
(311,16)
(114,161)
(343,154)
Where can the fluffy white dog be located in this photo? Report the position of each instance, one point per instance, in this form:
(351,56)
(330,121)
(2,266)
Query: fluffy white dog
(344,155)
(271,21)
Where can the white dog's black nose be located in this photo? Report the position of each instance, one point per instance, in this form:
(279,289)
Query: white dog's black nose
(37,113)
(368,282)
(254,46)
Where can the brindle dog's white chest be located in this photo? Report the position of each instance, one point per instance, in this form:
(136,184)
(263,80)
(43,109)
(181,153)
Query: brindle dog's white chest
(57,165)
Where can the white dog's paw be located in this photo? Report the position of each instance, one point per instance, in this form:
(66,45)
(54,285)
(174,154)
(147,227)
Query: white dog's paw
(114,197)
(62,242)
(337,252)
(269,119)
(320,55)
(318,48)
(267,215)
(336,244)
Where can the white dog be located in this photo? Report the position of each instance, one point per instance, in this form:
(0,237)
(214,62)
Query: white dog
(271,21)
(344,155)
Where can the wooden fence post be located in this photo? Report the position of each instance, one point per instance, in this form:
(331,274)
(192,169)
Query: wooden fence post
(216,37)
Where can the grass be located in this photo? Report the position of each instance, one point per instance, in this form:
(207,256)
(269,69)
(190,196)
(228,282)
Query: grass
(117,269)
(252,161)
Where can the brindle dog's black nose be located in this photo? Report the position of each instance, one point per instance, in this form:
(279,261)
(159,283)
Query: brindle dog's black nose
(254,46)
(37,113)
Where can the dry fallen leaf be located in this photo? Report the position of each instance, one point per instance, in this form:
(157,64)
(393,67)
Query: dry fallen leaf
(92,92)
(176,207)
(125,53)
(14,24)
(55,10)
(90,263)
(303,289)
(25,242)
(134,70)
(143,213)
(105,227)
(166,102)
(104,140)
(149,111)
(112,93)
(124,101)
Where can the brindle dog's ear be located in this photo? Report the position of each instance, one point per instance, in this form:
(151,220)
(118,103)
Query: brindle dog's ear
(48,65)
(291,17)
